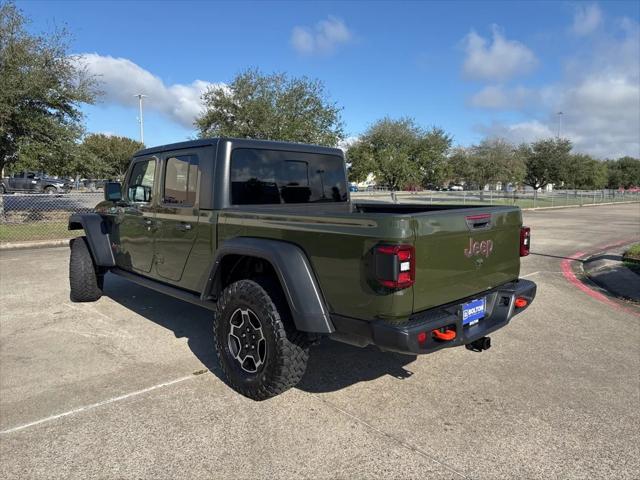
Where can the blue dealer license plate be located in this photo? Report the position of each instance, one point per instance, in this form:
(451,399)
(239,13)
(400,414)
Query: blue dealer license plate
(473,311)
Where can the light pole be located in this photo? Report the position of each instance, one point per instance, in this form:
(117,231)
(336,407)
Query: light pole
(560,123)
(140,118)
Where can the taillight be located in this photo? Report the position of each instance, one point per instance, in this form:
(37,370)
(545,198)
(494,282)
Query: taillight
(521,302)
(395,266)
(525,241)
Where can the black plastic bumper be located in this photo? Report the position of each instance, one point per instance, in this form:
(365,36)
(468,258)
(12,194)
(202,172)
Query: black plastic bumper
(404,338)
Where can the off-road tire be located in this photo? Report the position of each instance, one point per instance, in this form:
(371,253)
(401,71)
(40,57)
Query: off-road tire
(85,280)
(287,349)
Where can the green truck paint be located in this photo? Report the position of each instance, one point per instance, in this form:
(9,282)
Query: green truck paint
(182,204)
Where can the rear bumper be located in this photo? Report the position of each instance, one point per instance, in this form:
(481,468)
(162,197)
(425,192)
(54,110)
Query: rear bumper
(403,338)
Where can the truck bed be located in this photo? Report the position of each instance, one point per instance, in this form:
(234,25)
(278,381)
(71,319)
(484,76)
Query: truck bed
(406,208)
(339,240)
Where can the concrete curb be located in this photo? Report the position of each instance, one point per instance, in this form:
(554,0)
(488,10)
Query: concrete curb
(38,244)
(606,270)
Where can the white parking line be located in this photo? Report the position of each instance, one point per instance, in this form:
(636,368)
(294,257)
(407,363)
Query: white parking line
(95,405)
(529,274)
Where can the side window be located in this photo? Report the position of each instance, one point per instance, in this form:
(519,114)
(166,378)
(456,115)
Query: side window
(140,186)
(181,180)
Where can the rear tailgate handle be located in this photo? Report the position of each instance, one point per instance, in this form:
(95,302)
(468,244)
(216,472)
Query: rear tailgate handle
(481,221)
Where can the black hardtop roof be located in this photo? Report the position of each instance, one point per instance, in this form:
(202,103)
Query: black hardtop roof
(241,143)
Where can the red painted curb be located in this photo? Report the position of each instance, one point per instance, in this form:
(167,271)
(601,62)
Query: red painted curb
(568,274)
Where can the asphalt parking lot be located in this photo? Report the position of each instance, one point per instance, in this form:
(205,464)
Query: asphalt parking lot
(128,387)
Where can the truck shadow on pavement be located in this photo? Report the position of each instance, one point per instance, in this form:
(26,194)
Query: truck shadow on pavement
(332,365)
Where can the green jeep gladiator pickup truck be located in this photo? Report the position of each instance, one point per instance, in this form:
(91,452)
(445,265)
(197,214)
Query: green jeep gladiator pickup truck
(265,235)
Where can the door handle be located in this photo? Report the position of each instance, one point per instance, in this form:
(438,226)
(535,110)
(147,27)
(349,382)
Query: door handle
(183,227)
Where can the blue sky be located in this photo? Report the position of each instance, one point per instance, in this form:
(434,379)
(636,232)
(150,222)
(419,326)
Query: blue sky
(474,68)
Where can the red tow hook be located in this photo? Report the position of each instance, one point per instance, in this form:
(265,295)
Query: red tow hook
(443,334)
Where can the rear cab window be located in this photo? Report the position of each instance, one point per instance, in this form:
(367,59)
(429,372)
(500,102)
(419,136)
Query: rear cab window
(262,176)
(180,180)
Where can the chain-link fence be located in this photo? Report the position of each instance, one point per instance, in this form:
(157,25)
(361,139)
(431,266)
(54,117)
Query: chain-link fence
(527,199)
(29,217)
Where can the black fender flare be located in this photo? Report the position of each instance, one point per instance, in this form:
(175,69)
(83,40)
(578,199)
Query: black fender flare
(97,235)
(294,271)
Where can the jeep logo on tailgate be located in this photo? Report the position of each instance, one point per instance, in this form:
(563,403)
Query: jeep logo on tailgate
(484,247)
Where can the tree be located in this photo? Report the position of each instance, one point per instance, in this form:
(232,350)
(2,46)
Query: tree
(624,172)
(360,162)
(583,171)
(544,160)
(400,153)
(433,147)
(495,160)
(390,150)
(271,107)
(460,165)
(42,89)
(107,155)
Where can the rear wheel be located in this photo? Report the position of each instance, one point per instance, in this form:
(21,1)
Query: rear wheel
(2,189)
(259,350)
(85,280)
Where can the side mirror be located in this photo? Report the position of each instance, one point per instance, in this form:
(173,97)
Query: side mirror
(112,191)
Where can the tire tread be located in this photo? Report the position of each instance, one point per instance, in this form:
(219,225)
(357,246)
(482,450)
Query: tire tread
(84,281)
(292,345)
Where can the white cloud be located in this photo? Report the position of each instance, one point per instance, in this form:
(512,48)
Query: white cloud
(498,60)
(587,19)
(600,115)
(344,144)
(599,95)
(529,131)
(120,79)
(322,39)
(499,97)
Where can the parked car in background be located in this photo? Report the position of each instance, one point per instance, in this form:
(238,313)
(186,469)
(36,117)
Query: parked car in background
(454,187)
(353,188)
(33,182)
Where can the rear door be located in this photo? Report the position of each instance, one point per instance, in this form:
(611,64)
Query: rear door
(18,181)
(137,222)
(461,253)
(177,213)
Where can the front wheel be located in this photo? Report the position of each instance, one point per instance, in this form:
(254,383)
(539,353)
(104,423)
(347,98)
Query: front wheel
(259,350)
(85,281)
(50,190)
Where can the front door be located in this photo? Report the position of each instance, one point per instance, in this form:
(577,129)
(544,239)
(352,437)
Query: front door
(31,182)
(177,214)
(137,221)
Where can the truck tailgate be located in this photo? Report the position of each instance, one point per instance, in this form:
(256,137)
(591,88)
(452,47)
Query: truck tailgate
(464,252)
